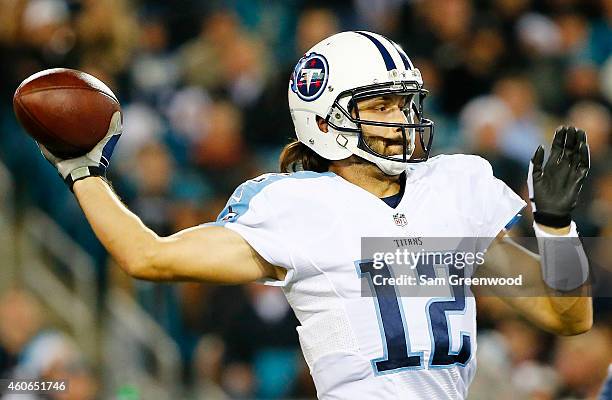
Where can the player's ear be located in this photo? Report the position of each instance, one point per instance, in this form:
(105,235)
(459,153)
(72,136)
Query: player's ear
(323,126)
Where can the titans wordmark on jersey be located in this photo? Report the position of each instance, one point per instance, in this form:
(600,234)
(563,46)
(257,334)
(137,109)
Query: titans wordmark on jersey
(355,345)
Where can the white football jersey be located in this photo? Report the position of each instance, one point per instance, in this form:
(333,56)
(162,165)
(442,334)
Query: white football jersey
(359,346)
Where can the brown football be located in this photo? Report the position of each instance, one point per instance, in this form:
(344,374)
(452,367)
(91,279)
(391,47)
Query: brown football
(66,110)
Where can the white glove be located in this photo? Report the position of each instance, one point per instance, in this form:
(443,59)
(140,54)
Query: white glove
(93,163)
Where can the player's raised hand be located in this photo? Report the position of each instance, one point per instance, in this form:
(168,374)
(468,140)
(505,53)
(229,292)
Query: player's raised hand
(74,118)
(94,163)
(554,187)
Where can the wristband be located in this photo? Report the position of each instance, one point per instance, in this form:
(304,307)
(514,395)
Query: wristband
(551,220)
(564,263)
(82,173)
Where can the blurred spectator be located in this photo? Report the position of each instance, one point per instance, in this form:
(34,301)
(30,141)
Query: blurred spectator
(573,31)
(475,72)
(524,342)
(492,379)
(200,58)
(525,132)
(238,380)
(222,146)
(224,59)
(538,35)
(52,356)
(508,14)
(153,176)
(378,16)
(536,381)
(208,368)
(107,33)
(245,68)
(582,83)
(606,80)
(596,120)
(600,35)
(444,27)
(20,320)
(187,112)
(154,71)
(590,355)
(141,125)
(220,151)
(601,206)
(314,25)
(510,365)
(190,193)
(267,121)
(28,350)
(46,26)
(267,317)
(449,19)
(483,122)
(10,21)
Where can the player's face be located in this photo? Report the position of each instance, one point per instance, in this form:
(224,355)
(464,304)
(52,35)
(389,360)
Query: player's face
(392,108)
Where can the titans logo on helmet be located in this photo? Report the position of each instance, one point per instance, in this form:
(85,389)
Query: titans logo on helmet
(309,77)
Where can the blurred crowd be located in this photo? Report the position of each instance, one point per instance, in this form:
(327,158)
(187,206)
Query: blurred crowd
(203,86)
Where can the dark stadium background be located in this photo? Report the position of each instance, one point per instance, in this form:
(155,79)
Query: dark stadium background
(203,88)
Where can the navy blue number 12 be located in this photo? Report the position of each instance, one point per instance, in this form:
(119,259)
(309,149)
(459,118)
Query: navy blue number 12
(396,339)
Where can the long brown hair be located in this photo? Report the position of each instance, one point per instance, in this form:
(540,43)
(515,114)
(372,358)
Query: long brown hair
(297,156)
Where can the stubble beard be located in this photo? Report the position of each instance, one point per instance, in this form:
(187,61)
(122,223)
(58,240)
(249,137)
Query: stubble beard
(385,147)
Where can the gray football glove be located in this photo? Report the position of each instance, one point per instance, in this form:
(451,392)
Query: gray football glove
(94,163)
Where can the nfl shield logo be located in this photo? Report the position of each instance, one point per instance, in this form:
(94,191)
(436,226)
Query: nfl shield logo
(400,219)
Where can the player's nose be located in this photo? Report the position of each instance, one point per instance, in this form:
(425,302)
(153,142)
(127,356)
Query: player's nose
(396,132)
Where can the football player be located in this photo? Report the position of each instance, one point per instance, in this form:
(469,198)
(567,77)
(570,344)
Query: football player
(362,152)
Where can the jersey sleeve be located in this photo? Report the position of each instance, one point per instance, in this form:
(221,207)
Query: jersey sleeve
(497,205)
(255,216)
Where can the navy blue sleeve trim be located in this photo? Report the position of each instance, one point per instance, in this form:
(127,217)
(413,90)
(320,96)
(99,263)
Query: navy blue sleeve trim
(513,221)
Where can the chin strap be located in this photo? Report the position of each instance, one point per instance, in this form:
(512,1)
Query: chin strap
(391,167)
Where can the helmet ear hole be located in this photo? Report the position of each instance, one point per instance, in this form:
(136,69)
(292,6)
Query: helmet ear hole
(323,125)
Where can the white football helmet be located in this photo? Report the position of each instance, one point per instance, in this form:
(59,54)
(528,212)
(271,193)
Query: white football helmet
(334,75)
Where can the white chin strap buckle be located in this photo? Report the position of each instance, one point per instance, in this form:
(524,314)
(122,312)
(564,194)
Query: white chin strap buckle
(391,167)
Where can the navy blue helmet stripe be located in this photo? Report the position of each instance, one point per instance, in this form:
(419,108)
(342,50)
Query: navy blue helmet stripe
(389,63)
(403,56)
(405,59)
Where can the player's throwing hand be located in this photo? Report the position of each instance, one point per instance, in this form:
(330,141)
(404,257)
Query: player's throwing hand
(94,163)
(554,188)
